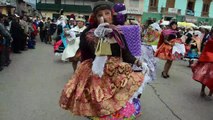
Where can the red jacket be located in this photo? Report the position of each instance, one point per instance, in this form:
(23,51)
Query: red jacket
(35,30)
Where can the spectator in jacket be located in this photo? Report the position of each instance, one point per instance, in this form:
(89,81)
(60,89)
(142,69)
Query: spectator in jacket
(5,40)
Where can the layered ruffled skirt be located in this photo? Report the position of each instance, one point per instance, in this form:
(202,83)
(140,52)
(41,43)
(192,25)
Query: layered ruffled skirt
(149,58)
(203,73)
(88,95)
(72,51)
(164,52)
(58,48)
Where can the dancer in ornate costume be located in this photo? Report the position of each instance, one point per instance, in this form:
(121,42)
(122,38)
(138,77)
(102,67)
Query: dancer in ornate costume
(103,86)
(170,47)
(61,42)
(72,51)
(195,47)
(203,69)
(149,45)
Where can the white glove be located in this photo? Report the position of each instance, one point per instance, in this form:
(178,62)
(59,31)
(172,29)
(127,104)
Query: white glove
(101,30)
(58,22)
(70,35)
(145,68)
(98,65)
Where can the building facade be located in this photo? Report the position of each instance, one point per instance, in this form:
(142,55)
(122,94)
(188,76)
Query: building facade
(51,8)
(195,11)
(7,7)
(26,7)
(20,7)
(135,8)
(183,10)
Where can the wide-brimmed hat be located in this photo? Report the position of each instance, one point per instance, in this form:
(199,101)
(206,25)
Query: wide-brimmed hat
(80,18)
(101,5)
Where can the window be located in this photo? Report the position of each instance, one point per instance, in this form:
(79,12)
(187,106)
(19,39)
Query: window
(190,8)
(206,6)
(190,5)
(170,4)
(153,3)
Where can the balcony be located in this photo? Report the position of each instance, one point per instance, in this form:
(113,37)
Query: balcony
(66,7)
(190,12)
(153,9)
(165,10)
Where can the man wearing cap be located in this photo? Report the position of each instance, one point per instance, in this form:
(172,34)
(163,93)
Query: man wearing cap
(80,26)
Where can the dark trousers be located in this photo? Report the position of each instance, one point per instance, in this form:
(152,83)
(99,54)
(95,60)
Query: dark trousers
(5,56)
(16,44)
(42,35)
(1,56)
(23,42)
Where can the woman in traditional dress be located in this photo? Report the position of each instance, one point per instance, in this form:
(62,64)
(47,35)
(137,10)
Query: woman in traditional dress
(103,87)
(195,48)
(165,47)
(72,52)
(149,45)
(203,69)
(60,38)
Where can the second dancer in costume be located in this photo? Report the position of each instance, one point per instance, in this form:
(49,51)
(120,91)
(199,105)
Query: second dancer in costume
(203,69)
(72,51)
(168,40)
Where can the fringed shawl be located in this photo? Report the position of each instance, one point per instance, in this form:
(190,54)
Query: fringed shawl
(132,34)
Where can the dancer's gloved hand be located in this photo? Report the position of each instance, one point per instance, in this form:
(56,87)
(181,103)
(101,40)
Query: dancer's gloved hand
(98,65)
(71,36)
(102,30)
(145,68)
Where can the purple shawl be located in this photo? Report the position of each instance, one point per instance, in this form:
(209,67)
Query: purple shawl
(132,34)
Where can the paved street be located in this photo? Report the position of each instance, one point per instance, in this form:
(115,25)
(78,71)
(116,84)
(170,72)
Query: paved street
(30,89)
